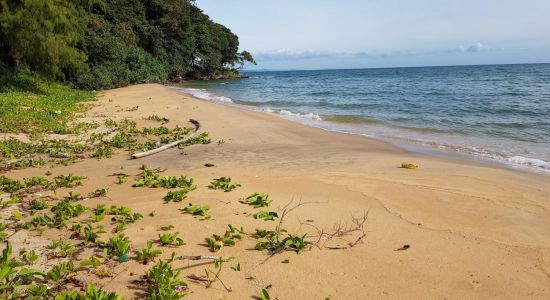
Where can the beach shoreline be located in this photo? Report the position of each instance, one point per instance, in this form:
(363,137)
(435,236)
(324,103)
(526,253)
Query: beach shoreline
(426,148)
(473,231)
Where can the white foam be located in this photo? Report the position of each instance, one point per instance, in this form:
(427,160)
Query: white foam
(526,161)
(206,95)
(299,115)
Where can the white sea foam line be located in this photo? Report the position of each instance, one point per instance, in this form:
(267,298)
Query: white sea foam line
(206,95)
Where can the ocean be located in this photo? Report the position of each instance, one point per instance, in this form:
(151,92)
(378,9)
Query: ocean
(498,113)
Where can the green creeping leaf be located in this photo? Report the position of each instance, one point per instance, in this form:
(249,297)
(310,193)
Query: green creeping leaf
(102,192)
(236,268)
(264,295)
(147,254)
(197,210)
(166,227)
(176,196)
(93,262)
(229,238)
(223,183)
(266,215)
(257,200)
(92,293)
(9,186)
(118,246)
(68,181)
(171,239)
(163,283)
(17,215)
(60,271)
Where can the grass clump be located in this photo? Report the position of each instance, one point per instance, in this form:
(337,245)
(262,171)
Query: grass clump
(229,238)
(223,183)
(257,200)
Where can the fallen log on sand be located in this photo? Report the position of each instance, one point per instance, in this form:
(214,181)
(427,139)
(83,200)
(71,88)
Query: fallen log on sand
(168,146)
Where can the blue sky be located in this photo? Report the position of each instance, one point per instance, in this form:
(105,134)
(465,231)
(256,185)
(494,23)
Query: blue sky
(321,34)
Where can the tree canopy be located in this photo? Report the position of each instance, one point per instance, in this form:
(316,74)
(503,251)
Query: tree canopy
(97,44)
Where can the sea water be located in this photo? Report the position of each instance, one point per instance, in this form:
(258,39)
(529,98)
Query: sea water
(497,112)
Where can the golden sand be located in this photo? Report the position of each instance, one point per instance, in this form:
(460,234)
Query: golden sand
(475,231)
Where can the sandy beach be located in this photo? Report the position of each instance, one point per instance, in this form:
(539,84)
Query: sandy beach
(474,231)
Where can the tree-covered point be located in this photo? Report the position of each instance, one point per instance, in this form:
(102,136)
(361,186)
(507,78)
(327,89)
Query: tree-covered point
(100,44)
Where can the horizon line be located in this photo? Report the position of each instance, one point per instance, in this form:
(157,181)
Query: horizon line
(397,67)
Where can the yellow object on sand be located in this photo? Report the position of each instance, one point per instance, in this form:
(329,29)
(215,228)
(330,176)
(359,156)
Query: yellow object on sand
(409,166)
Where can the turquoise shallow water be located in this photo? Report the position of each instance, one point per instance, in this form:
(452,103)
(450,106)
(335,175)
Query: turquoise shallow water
(499,112)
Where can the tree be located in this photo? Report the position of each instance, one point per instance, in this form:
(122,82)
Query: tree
(42,35)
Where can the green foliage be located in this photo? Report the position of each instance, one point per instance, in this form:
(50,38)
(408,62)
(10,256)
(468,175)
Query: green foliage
(266,215)
(264,295)
(229,238)
(201,139)
(257,200)
(157,119)
(31,104)
(60,271)
(120,179)
(197,210)
(170,239)
(272,243)
(65,210)
(118,246)
(107,44)
(8,185)
(37,181)
(90,236)
(151,178)
(223,183)
(103,150)
(37,291)
(171,182)
(12,275)
(176,196)
(93,262)
(38,204)
(102,192)
(43,35)
(92,293)
(28,257)
(68,181)
(147,254)
(166,227)
(62,248)
(164,283)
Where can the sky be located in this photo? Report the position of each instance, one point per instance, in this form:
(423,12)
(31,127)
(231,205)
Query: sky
(331,34)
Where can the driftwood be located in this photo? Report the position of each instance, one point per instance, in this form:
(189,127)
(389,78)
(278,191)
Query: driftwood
(168,146)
